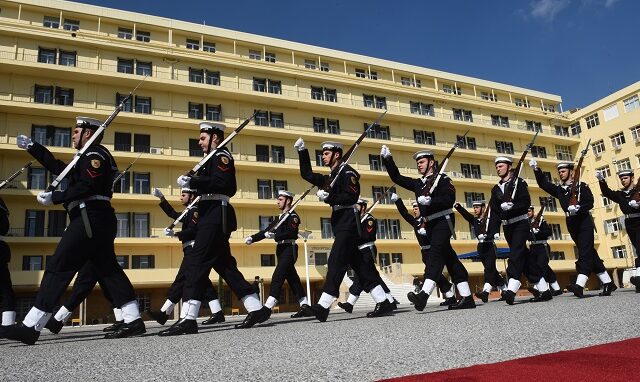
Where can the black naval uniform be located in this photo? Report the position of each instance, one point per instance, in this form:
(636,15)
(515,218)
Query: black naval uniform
(187,238)
(539,249)
(7,297)
(443,284)
(580,225)
(631,215)
(90,181)
(287,254)
(486,248)
(87,278)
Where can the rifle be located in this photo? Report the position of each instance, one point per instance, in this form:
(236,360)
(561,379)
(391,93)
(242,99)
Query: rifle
(277,223)
(349,153)
(5,182)
(93,138)
(575,185)
(484,220)
(391,189)
(125,171)
(509,196)
(175,222)
(538,219)
(428,187)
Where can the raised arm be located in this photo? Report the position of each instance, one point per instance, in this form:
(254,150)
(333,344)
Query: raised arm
(463,211)
(401,180)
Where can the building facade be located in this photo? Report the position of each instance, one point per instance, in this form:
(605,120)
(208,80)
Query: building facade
(62,59)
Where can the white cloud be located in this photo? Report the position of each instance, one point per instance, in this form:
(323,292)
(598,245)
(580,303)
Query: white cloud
(548,9)
(609,3)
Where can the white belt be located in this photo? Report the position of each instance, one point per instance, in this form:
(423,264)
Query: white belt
(287,241)
(366,245)
(424,247)
(189,243)
(76,203)
(221,197)
(633,215)
(439,214)
(338,208)
(538,242)
(514,220)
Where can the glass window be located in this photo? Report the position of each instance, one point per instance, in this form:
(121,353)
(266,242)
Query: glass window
(123,184)
(71,25)
(309,64)
(396,258)
(333,126)
(324,66)
(325,229)
(264,189)
(143,262)
(503,147)
(631,103)
(617,140)
(62,137)
(194,148)
(592,120)
(384,259)
(279,185)
(255,55)
(57,223)
(598,148)
(122,141)
(498,120)
(259,84)
(575,128)
(317,93)
(141,143)
(125,33)
(275,87)
(34,223)
(264,221)
(421,108)
(539,152)
(67,58)
(195,110)
(556,232)
(375,163)
(37,179)
(196,75)
(193,44)
(276,119)
(123,224)
(141,183)
(128,105)
(64,96)
(212,78)
(262,153)
(125,65)
(624,164)
(46,56)
(213,112)
(208,46)
(610,112)
(143,105)
(140,225)
(270,57)
(470,170)
(123,261)
(32,263)
(489,96)
(143,36)
(51,22)
(267,260)
(262,118)
(563,153)
(277,154)
(39,134)
(534,126)
(143,68)
(319,125)
(360,73)
(43,94)
(462,115)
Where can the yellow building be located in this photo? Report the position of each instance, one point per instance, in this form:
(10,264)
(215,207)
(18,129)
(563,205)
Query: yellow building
(61,59)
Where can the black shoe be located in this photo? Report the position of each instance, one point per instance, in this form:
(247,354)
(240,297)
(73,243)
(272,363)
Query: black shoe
(346,306)
(395,303)
(182,326)
(544,296)
(382,308)
(26,335)
(255,317)
(509,296)
(133,328)
(215,318)
(113,327)
(54,325)
(449,301)
(638,288)
(419,300)
(464,303)
(576,289)
(305,311)
(557,292)
(484,296)
(608,288)
(159,316)
(534,292)
(321,313)
(635,280)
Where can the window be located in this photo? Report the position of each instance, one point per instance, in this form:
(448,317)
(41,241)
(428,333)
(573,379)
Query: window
(556,255)
(259,84)
(125,65)
(374,101)
(319,125)
(319,158)
(193,44)
(51,22)
(51,135)
(424,137)
(548,108)
(267,260)
(67,58)
(262,153)
(208,46)
(123,261)
(575,128)
(324,94)
(549,202)
(123,224)
(470,171)
(361,73)
(606,202)
(46,56)
(617,140)
(57,223)
(498,120)
(37,178)
(143,36)
(468,143)
(610,112)
(143,105)
(143,262)
(64,96)
(462,115)
(264,189)
(410,81)
(325,228)
(196,75)
(450,89)
(378,191)
(631,103)
(140,225)
(276,119)
(279,185)
(255,55)
(213,112)
(270,57)
(421,108)
(375,163)
(125,33)
(598,148)
(539,151)
(71,25)
(561,130)
(141,143)
(143,68)
(194,148)
(396,258)
(373,75)
(195,110)
(123,184)
(141,183)
(262,118)
(310,64)
(534,126)
(592,120)
(563,153)
(275,87)
(324,66)
(34,223)
(333,126)
(388,229)
(264,221)
(212,78)
(43,94)
(556,232)
(503,147)
(635,134)
(521,102)
(471,197)
(384,259)
(128,105)
(619,252)
(378,132)
(605,171)
(624,164)
(122,141)
(489,96)
(277,154)
(611,226)
(32,263)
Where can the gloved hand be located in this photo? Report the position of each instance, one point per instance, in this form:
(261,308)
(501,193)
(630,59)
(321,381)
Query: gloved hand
(482,237)
(322,195)
(45,198)
(634,204)
(169,232)
(23,141)
(183,181)
(157,193)
(457,205)
(506,206)
(535,230)
(599,176)
(424,200)
(533,163)
(496,236)
(299,145)
(269,235)
(422,232)
(573,209)
(394,197)
(385,152)
(248,240)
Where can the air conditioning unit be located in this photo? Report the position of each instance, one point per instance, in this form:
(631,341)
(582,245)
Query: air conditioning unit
(156,150)
(598,154)
(617,147)
(637,139)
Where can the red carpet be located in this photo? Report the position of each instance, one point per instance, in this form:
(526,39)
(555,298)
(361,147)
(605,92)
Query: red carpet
(616,361)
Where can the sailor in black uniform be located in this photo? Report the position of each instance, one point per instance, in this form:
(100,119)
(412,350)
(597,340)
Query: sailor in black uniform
(539,248)
(7,297)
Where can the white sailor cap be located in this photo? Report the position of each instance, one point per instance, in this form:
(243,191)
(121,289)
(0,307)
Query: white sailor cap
(362,201)
(333,146)
(478,203)
(188,190)
(562,165)
(286,194)
(86,122)
(414,204)
(622,173)
(503,159)
(531,208)
(209,127)
(422,154)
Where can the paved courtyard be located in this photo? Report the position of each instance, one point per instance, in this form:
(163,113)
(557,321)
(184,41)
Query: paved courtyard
(346,347)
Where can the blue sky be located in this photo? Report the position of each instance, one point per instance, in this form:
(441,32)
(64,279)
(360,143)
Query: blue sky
(581,50)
